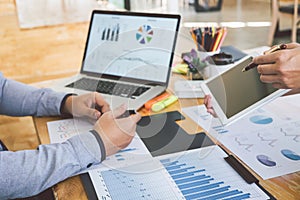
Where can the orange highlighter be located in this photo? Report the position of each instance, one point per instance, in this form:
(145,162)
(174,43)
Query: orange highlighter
(161,97)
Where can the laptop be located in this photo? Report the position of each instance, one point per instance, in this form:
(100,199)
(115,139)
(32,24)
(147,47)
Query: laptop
(127,58)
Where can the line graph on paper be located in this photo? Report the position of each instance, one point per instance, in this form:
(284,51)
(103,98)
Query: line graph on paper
(270,137)
(243,144)
(247,145)
(135,152)
(271,151)
(293,131)
(61,130)
(269,141)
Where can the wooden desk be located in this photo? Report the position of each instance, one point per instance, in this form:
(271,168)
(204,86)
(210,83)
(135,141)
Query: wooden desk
(285,187)
(72,188)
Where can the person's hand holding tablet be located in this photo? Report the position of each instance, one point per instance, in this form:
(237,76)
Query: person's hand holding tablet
(235,92)
(208,105)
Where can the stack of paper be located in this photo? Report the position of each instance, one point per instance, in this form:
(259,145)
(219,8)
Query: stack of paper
(270,143)
(188,89)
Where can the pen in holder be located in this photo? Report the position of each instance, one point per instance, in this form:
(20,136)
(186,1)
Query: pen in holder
(208,39)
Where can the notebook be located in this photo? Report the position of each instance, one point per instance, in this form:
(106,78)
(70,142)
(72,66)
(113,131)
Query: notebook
(127,58)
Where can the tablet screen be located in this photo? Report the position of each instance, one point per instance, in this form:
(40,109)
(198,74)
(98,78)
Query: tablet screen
(235,90)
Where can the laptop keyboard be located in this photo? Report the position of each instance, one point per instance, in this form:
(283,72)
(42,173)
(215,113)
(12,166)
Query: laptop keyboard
(108,87)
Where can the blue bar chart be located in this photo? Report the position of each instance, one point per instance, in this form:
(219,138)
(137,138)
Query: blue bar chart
(194,184)
(208,177)
(195,174)
(134,153)
(119,156)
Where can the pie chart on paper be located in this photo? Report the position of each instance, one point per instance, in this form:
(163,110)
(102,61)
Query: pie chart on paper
(261,119)
(290,154)
(265,160)
(144,34)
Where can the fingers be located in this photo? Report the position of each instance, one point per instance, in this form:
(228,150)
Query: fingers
(92,113)
(100,102)
(136,117)
(119,111)
(269,78)
(274,56)
(212,112)
(275,80)
(205,99)
(128,124)
(278,85)
(292,45)
(267,69)
(264,59)
(209,104)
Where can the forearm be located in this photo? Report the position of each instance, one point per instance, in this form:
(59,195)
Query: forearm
(26,173)
(17,99)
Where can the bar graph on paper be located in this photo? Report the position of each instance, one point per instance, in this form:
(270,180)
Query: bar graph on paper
(196,174)
(203,174)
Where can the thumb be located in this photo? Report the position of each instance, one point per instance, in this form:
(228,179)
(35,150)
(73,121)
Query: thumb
(92,113)
(136,117)
(119,111)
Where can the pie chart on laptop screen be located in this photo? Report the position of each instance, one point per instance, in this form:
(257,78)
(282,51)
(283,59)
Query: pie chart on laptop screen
(144,34)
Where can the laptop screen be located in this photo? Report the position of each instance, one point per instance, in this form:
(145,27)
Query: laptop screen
(131,45)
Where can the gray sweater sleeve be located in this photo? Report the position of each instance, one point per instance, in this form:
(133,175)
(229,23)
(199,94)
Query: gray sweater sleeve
(18,99)
(29,172)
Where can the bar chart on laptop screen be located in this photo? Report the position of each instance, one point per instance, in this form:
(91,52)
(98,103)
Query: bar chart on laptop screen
(196,174)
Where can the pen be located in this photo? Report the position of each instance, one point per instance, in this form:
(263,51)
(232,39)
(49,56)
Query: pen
(273,49)
(127,113)
(276,48)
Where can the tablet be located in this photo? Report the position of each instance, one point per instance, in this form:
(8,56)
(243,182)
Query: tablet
(235,93)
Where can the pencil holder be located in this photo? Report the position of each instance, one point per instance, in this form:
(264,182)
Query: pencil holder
(208,39)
